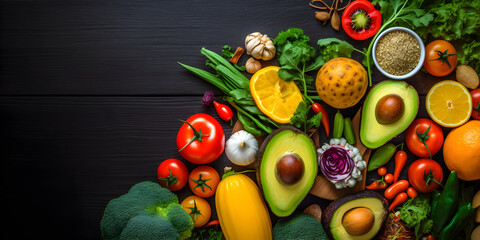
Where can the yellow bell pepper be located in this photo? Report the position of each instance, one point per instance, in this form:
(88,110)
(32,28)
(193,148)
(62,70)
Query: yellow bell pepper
(241,210)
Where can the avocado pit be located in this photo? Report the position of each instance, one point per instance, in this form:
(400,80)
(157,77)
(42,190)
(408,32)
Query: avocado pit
(389,109)
(289,168)
(358,221)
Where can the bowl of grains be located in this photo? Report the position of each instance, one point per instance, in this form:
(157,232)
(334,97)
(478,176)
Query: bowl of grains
(398,53)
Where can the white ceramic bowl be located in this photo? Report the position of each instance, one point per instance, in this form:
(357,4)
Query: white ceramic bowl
(422,54)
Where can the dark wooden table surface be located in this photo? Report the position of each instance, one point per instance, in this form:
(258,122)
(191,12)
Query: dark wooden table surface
(91,94)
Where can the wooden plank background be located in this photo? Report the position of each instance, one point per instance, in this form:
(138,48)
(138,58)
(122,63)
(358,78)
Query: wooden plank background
(91,94)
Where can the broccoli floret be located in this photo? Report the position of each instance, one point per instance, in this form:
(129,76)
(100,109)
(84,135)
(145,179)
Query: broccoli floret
(158,228)
(299,226)
(146,211)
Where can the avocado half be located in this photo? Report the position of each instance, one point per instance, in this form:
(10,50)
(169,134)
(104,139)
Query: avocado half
(374,134)
(333,217)
(283,198)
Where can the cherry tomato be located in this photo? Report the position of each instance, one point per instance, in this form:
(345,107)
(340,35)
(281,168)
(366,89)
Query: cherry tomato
(201,139)
(223,111)
(440,58)
(198,208)
(382,171)
(421,132)
(425,175)
(476,103)
(361,20)
(389,178)
(203,181)
(411,192)
(172,174)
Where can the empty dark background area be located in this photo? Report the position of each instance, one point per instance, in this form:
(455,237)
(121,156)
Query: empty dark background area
(91,93)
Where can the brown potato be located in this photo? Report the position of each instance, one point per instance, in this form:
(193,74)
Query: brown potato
(467,76)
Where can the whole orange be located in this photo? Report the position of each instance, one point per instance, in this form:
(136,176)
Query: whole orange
(461,150)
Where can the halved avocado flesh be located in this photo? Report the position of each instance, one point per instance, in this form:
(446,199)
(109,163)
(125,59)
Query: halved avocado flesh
(282,198)
(372,133)
(332,218)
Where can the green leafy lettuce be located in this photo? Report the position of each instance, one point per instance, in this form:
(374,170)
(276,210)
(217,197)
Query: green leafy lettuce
(415,213)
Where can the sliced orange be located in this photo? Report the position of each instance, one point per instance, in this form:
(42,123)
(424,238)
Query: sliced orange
(449,103)
(275,97)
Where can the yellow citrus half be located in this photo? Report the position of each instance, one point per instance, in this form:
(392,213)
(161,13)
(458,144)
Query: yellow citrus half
(275,97)
(449,103)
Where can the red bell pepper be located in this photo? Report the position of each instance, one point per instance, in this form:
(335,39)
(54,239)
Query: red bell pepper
(361,20)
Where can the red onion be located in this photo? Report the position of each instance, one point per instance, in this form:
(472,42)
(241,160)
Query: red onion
(208,98)
(336,163)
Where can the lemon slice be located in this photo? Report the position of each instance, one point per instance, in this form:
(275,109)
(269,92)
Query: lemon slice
(275,97)
(449,103)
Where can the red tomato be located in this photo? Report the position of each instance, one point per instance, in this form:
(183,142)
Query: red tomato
(476,103)
(382,171)
(440,58)
(418,133)
(224,111)
(389,178)
(203,181)
(172,174)
(201,139)
(411,192)
(198,208)
(361,20)
(424,175)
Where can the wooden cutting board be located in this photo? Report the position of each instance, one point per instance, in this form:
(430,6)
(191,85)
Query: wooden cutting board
(322,187)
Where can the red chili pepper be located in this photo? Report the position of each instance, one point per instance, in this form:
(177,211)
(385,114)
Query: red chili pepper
(224,111)
(395,188)
(213,223)
(361,20)
(401,198)
(411,192)
(377,184)
(318,108)
(400,160)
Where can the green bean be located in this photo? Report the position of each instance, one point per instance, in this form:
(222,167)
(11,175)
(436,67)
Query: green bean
(209,77)
(219,60)
(349,132)
(338,125)
(259,124)
(249,125)
(381,156)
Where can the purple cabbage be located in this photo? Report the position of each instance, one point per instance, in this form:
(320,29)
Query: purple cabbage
(336,163)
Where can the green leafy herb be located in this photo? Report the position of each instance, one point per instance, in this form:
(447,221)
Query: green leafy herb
(415,213)
(301,118)
(227,53)
(209,233)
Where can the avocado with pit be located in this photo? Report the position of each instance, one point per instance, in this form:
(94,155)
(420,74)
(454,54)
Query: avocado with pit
(287,163)
(389,108)
(358,216)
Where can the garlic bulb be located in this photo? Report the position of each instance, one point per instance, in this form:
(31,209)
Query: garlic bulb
(260,46)
(252,65)
(241,148)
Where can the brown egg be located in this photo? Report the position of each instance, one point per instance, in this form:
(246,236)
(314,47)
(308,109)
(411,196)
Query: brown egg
(289,168)
(389,109)
(358,221)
